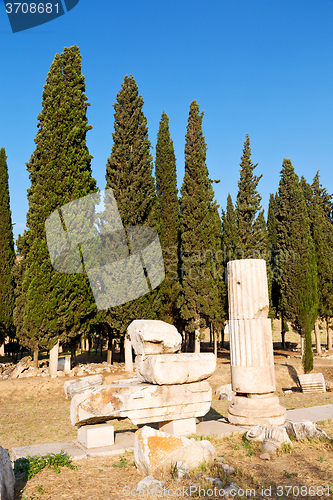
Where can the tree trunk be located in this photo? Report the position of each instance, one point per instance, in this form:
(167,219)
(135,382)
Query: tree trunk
(89,345)
(53,360)
(329,334)
(82,344)
(197,341)
(317,337)
(302,347)
(97,345)
(210,336)
(222,339)
(215,342)
(283,332)
(35,365)
(2,349)
(128,354)
(109,358)
(73,352)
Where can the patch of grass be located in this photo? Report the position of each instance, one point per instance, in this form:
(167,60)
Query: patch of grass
(123,462)
(30,466)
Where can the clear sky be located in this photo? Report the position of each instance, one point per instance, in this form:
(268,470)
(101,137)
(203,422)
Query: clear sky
(260,67)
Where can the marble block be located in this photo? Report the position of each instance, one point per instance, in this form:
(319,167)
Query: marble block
(96,436)
(173,369)
(154,337)
(183,427)
(141,403)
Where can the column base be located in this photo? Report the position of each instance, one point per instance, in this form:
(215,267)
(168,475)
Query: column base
(256,409)
(181,427)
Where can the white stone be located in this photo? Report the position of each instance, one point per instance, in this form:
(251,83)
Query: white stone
(172,369)
(22,365)
(154,337)
(156,450)
(247,289)
(7,479)
(128,354)
(304,430)
(181,470)
(53,357)
(225,392)
(96,436)
(64,364)
(261,409)
(72,387)
(141,403)
(183,427)
(149,483)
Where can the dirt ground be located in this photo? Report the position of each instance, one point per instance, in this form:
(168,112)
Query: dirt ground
(35,411)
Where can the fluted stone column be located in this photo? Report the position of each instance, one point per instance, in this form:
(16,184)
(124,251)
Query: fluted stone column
(251,346)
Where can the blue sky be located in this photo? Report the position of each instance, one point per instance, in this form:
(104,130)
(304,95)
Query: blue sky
(254,66)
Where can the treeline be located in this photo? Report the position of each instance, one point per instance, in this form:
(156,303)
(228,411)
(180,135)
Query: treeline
(39,306)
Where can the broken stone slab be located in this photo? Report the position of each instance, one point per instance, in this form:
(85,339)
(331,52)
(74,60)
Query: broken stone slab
(141,403)
(154,337)
(22,365)
(272,436)
(72,387)
(173,369)
(225,392)
(304,430)
(7,478)
(158,451)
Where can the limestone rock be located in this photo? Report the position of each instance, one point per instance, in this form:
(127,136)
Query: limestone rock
(172,369)
(22,365)
(72,387)
(304,430)
(230,490)
(265,456)
(154,337)
(181,470)
(158,451)
(149,483)
(225,392)
(7,478)
(227,469)
(141,403)
(272,437)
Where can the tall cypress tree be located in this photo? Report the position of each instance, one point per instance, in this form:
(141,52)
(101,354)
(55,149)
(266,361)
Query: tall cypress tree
(298,284)
(230,235)
(129,172)
(200,236)
(322,233)
(57,305)
(250,228)
(7,254)
(272,241)
(166,186)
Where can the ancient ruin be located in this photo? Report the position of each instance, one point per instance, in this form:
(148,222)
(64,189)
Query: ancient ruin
(251,347)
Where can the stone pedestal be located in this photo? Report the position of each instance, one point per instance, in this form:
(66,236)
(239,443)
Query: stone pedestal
(183,427)
(96,436)
(53,363)
(251,346)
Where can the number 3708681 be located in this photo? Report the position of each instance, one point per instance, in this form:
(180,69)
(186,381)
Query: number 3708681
(31,8)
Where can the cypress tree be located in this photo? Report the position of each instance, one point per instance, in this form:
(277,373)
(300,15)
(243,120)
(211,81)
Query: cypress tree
(322,233)
(250,229)
(129,174)
(57,305)
(200,235)
(166,187)
(298,283)
(230,235)
(7,254)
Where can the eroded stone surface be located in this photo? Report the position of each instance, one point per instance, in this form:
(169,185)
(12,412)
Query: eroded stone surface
(7,479)
(156,450)
(154,337)
(72,387)
(141,403)
(304,430)
(172,369)
(261,410)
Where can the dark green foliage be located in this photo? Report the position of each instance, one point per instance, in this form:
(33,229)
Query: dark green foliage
(166,186)
(7,254)
(230,235)
(129,174)
(57,305)
(322,235)
(272,243)
(298,283)
(200,225)
(251,232)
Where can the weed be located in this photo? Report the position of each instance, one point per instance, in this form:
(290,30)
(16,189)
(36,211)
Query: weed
(100,470)
(123,462)
(40,489)
(290,474)
(32,465)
